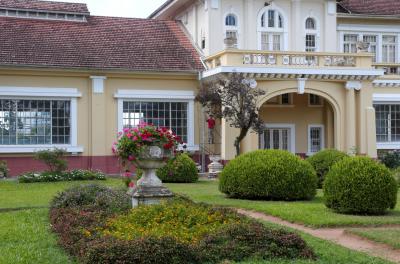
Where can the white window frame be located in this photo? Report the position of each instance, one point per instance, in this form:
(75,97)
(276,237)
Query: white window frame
(232,28)
(292,136)
(40,93)
(377,31)
(387,99)
(315,32)
(283,32)
(160,96)
(311,126)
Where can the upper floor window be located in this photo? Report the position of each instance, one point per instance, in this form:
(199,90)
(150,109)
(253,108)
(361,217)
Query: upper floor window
(272,19)
(230,20)
(372,41)
(350,43)
(232,29)
(310,24)
(389,44)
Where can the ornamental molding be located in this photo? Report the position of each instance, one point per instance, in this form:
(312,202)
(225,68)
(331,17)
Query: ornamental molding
(353,85)
(98,84)
(386,83)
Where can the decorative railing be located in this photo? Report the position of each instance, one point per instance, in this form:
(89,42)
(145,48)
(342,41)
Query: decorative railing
(389,68)
(288,59)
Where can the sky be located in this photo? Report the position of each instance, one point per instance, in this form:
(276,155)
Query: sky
(120,8)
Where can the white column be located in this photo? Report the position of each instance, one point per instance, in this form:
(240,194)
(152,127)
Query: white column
(351,86)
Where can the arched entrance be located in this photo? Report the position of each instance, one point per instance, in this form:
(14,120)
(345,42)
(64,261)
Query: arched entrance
(300,123)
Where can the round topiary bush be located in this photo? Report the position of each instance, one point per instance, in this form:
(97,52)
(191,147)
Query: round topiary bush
(323,161)
(181,169)
(360,185)
(269,174)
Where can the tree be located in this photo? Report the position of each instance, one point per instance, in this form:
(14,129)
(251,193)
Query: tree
(233,98)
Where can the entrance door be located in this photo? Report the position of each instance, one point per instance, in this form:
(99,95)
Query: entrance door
(276,138)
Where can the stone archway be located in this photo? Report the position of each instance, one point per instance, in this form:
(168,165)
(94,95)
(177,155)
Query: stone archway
(334,105)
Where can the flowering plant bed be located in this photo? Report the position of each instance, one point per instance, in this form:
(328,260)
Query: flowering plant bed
(74,175)
(133,143)
(96,225)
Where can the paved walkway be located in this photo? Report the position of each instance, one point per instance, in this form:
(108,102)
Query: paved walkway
(336,235)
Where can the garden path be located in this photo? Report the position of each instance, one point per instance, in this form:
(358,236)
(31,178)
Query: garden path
(336,235)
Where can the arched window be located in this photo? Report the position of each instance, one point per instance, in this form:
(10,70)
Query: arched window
(271,25)
(232,30)
(310,24)
(230,21)
(311,38)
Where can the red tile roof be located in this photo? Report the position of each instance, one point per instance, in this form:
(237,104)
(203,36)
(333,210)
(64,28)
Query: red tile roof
(45,6)
(371,7)
(101,43)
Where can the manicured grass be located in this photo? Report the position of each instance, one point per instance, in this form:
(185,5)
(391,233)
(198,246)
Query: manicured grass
(311,213)
(389,236)
(25,235)
(28,195)
(25,238)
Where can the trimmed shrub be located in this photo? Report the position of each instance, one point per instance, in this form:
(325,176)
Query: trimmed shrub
(74,175)
(396,175)
(269,174)
(391,159)
(92,197)
(3,169)
(181,169)
(323,161)
(54,159)
(360,185)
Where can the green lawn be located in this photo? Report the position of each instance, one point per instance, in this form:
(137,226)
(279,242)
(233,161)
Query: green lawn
(389,236)
(25,235)
(312,213)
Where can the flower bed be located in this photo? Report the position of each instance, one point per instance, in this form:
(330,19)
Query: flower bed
(178,231)
(74,175)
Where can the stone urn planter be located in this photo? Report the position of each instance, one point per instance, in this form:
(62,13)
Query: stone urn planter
(149,189)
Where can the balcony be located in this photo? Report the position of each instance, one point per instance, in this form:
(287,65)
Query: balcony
(288,64)
(390,69)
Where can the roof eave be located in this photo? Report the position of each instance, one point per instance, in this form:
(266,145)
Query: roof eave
(162,8)
(367,16)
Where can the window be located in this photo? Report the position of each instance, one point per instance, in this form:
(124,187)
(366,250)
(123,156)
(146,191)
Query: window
(284,99)
(271,18)
(372,41)
(276,138)
(230,20)
(387,122)
(310,24)
(35,122)
(173,115)
(311,44)
(315,138)
(314,100)
(231,30)
(389,48)
(271,30)
(271,41)
(350,43)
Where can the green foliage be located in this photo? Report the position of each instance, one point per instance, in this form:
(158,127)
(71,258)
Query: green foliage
(177,231)
(269,174)
(184,221)
(54,159)
(93,197)
(360,185)
(396,175)
(391,159)
(3,169)
(181,169)
(323,161)
(74,175)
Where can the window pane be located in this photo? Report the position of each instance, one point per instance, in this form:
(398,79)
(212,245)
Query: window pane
(310,23)
(350,43)
(32,122)
(310,43)
(389,49)
(163,114)
(230,20)
(315,139)
(271,18)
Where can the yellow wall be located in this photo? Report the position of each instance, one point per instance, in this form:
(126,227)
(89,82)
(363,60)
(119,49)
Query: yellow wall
(97,113)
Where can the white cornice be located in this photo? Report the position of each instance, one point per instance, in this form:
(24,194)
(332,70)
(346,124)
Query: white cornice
(155,94)
(386,83)
(39,92)
(349,74)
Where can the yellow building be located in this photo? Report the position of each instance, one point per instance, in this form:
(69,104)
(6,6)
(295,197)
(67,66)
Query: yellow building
(72,80)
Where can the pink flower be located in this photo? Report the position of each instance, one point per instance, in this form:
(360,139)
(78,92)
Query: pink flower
(131,158)
(135,138)
(127,174)
(131,184)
